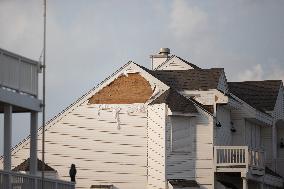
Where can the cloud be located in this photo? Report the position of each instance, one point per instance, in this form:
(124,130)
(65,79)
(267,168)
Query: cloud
(257,73)
(187,21)
(253,74)
(21,30)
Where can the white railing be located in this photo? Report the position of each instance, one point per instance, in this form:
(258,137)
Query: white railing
(18,73)
(238,157)
(12,180)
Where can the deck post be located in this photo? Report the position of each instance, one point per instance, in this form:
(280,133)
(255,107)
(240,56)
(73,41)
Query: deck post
(7,143)
(245,183)
(33,143)
(7,136)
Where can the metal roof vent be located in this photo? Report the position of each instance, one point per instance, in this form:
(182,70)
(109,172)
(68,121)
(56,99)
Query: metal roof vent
(165,51)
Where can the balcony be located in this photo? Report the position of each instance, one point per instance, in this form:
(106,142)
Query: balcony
(239,159)
(12,180)
(19,82)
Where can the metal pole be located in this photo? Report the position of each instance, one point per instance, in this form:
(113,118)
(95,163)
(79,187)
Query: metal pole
(43,95)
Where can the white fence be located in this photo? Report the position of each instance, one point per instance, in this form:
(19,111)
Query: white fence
(12,180)
(18,73)
(238,156)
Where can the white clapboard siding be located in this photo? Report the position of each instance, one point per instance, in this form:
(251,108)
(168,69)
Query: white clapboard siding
(252,135)
(223,133)
(102,153)
(198,163)
(156,146)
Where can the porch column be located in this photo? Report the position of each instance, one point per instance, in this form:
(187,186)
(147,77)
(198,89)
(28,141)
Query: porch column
(261,185)
(33,143)
(245,183)
(7,136)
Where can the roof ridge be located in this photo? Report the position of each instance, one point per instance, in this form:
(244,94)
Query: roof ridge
(189,63)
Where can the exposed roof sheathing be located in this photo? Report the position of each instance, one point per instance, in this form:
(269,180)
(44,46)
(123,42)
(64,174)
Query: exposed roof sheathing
(25,166)
(129,89)
(193,79)
(261,95)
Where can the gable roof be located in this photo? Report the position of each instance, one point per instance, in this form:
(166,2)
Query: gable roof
(184,61)
(261,95)
(193,79)
(25,166)
(190,64)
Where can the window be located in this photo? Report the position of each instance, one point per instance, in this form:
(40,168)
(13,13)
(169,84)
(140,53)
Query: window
(181,134)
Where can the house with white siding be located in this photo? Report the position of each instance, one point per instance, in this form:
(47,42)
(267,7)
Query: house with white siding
(174,126)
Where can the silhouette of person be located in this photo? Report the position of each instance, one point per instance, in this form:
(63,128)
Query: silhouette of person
(72,173)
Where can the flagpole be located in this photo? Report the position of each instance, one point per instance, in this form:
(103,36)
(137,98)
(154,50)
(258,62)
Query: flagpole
(43,94)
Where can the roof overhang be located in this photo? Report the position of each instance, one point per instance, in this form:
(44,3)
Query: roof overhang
(170,113)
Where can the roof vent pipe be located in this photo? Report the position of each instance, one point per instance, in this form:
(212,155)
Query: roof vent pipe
(165,51)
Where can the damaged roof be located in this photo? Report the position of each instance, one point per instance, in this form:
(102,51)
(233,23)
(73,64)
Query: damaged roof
(193,79)
(261,95)
(25,166)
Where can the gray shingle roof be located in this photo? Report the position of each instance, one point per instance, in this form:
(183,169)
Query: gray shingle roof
(193,79)
(261,95)
(182,183)
(164,76)
(176,102)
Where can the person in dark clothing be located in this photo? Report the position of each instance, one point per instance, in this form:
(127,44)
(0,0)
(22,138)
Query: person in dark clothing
(72,173)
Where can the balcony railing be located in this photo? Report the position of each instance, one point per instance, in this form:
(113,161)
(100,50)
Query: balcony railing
(12,180)
(18,73)
(238,157)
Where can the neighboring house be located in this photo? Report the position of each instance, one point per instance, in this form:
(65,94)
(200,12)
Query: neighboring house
(174,126)
(24,167)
